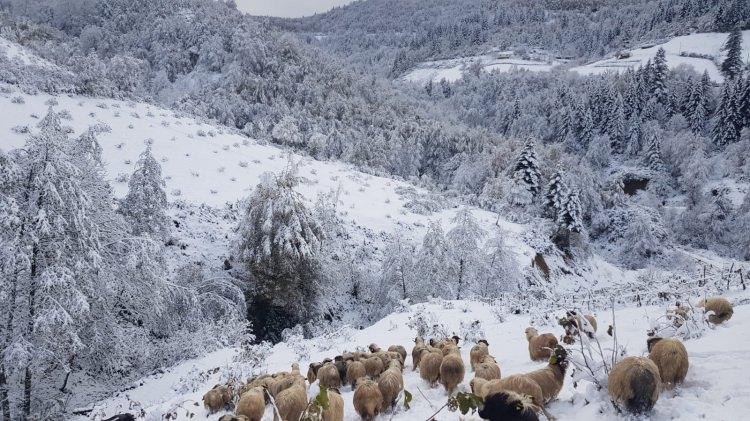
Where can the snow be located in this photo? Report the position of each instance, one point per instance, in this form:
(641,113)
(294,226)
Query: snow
(715,387)
(701,46)
(454,69)
(13,51)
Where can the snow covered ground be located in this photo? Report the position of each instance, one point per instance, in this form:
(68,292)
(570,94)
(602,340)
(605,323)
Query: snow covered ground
(715,389)
(700,51)
(15,52)
(453,69)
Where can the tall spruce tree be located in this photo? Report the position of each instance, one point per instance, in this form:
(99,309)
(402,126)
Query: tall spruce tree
(555,196)
(744,103)
(731,68)
(728,122)
(658,79)
(526,168)
(145,204)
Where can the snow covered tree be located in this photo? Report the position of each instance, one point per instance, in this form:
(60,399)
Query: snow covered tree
(555,196)
(146,202)
(587,129)
(278,240)
(696,109)
(616,128)
(569,220)
(499,268)
(728,122)
(644,237)
(287,132)
(731,67)
(653,152)
(432,270)
(463,248)
(659,72)
(526,168)
(398,266)
(745,102)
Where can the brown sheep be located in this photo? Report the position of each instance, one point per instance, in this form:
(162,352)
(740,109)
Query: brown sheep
(217,398)
(390,383)
(252,404)
(550,379)
(634,384)
(374,366)
(340,364)
(328,376)
(416,352)
(230,417)
(721,308)
(385,358)
(291,402)
(478,352)
(429,366)
(452,372)
(284,380)
(368,401)
(394,355)
(540,346)
(671,357)
(401,350)
(312,372)
(487,369)
(335,411)
(373,348)
(355,370)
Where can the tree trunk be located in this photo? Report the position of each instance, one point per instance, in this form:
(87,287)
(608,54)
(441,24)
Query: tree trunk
(67,375)
(30,330)
(460,278)
(4,392)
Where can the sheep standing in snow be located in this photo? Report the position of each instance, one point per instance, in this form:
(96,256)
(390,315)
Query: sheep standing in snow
(340,364)
(374,366)
(416,352)
(368,401)
(574,325)
(429,366)
(478,352)
(671,358)
(217,398)
(720,308)
(634,384)
(312,372)
(391,383)
(487,369)
(252,404)
(401,351)
(508,405)
(452,370)
(291,402)
(540,346)
(355,370)
(515,385)
(335,410)
(328,376)
(550,379)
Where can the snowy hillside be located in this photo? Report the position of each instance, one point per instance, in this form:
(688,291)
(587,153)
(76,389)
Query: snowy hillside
(716,364)
(702,52)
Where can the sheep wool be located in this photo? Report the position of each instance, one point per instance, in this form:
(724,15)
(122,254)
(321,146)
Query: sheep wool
(292,401)
(671,357)
(328,376)
(252,404)
(374,366)
(720,308)
(401,351)
(452,372)
(540,346)
(477,354)
(368,401)
(335,411)
(355,370)
(429,366)
(390,383)
(634,384)
(487,370)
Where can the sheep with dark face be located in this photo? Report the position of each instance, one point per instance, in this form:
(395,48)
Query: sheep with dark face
(671,358)
(368,401)
(340,364)
(719,309)
(508,406)
(516,384)
(540,346)
(634,384)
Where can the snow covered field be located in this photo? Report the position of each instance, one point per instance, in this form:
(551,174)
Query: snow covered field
(700,51)
(453,69)
(715,388)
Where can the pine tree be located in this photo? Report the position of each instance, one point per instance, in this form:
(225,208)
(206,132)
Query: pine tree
(463,247)
(617,129)
(728,122)
(653,152)
(731,68)
(658,79)
(744,103)
(145,204)
(527,168)
(432,270)
(278,240)
(695,109)
(555,196)
(586,134)
(570,215)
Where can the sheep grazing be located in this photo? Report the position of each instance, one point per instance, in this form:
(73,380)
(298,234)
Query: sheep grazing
(671,358)
(374,366)
(429,366)
(721,309)
(478,352)
(401,351)
(355,370)
(312,372)
(217,398)
(487,369)
(634,384)
(551,378)
(252,404)
(368,401)
(540,346)
(416,352)
(328,376)
(335,411)
(291,402)
(390,383)
(452,371)
(508,405)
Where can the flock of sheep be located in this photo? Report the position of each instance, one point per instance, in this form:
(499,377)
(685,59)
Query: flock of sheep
(376,376)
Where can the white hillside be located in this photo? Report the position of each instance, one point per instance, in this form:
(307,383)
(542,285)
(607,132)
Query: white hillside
(716,364)
(702,52)
(453,69)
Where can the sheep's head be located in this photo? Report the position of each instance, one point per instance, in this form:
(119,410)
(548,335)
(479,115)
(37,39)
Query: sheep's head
(559,357)
(483,341)
(373,348)
(455,339)
(531,332)
(651,342)
(509,405)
